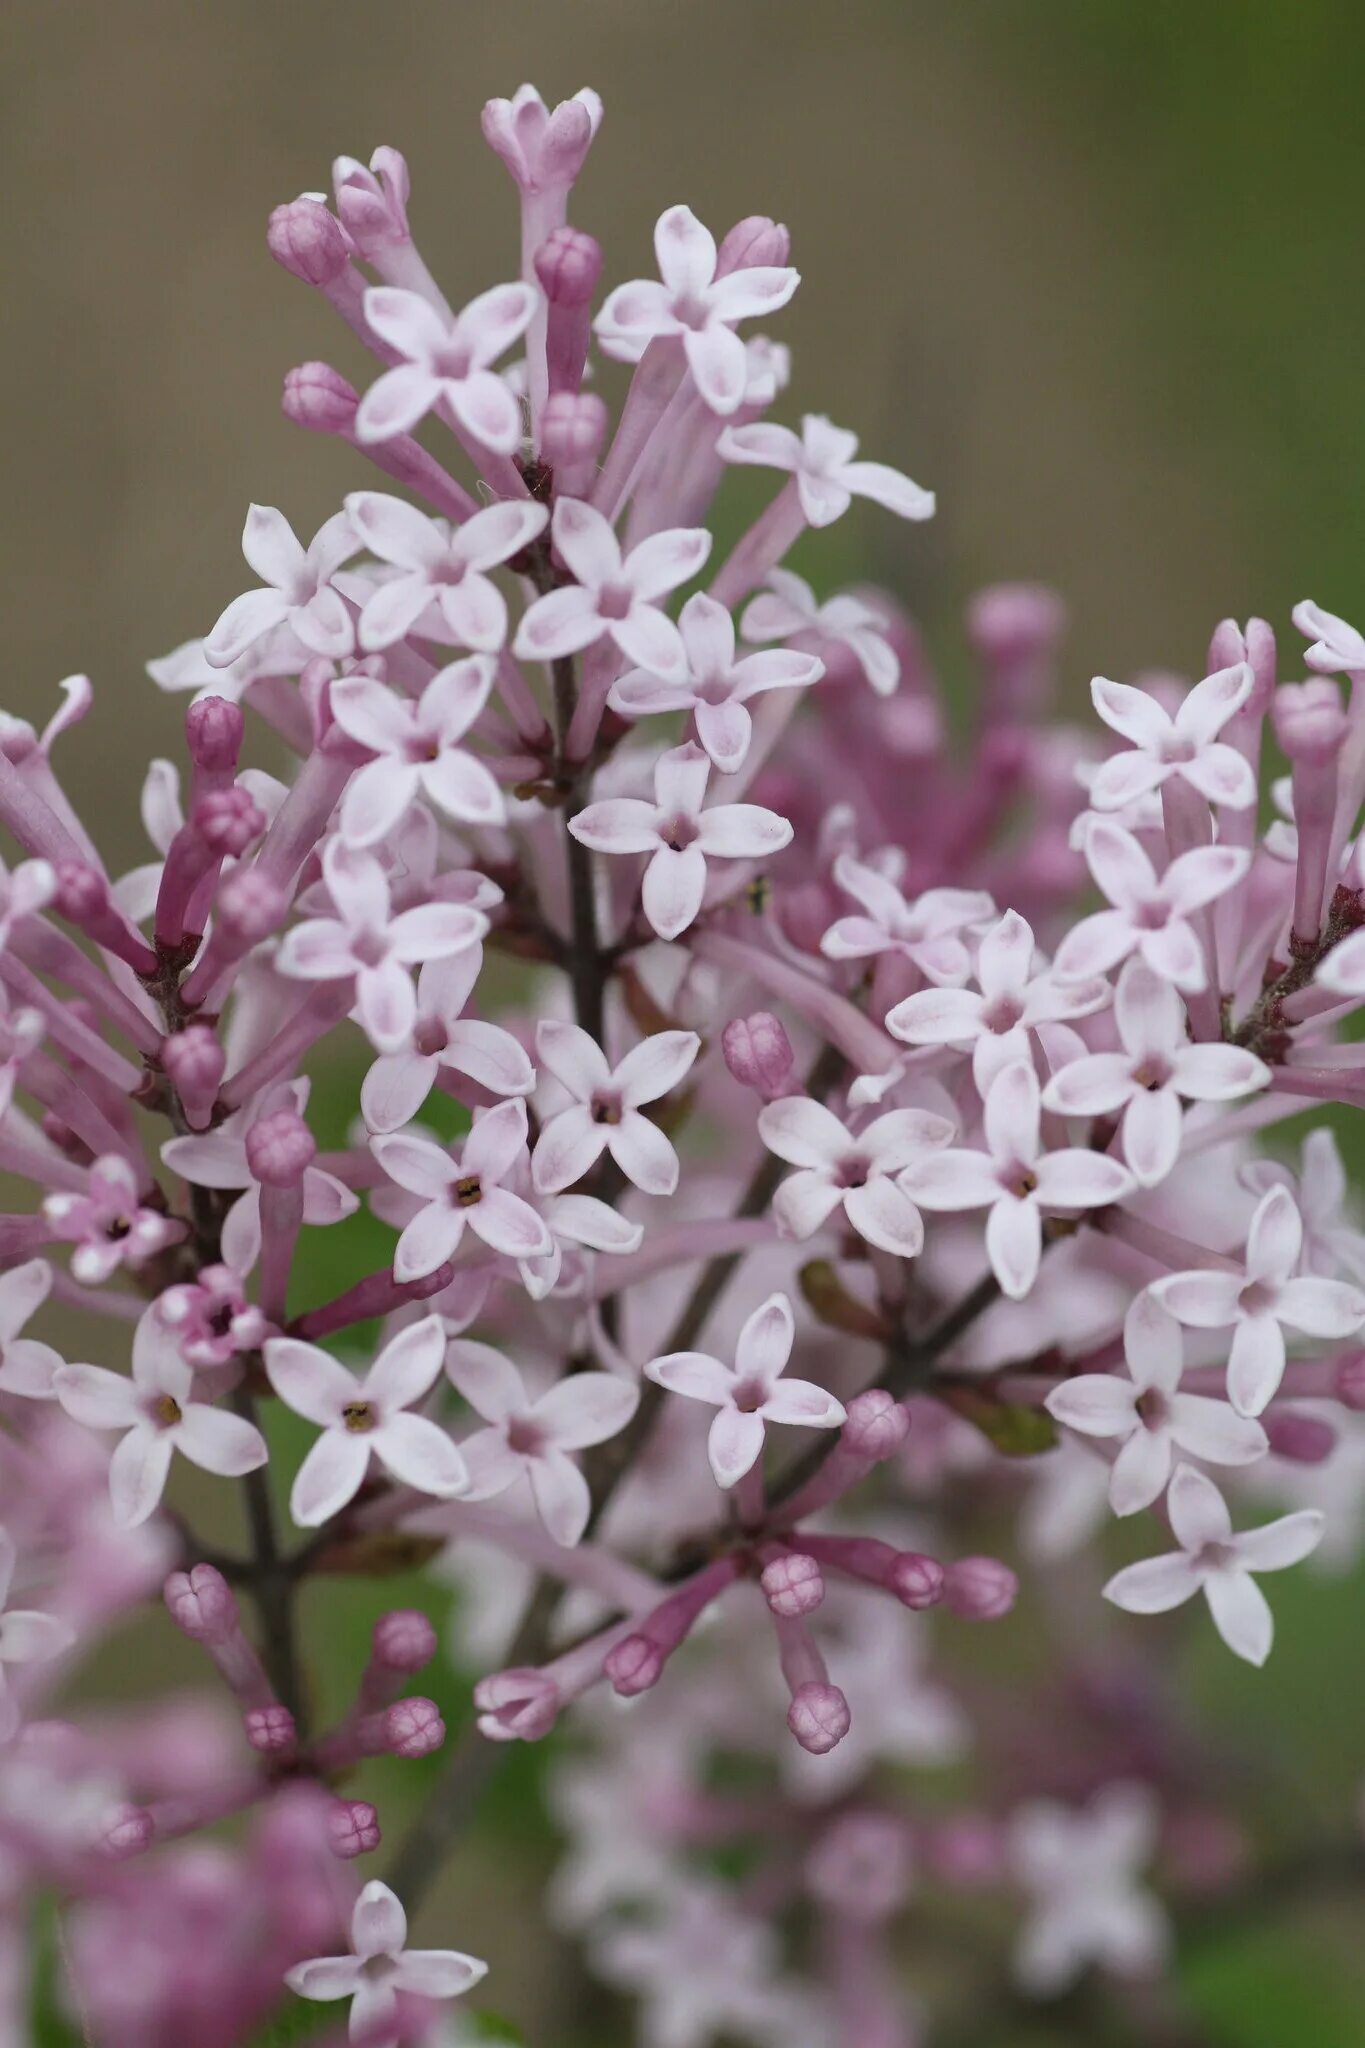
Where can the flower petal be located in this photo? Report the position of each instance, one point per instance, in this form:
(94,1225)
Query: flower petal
(219,1441)
(408,1366)
(137,1474)
(586,1408)
(561,1495)
(309,1380)
(418,1453)
(329,1477)
(1241,1614)
(734,1444)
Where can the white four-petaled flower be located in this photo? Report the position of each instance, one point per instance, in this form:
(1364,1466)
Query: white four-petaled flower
(788,609)
(446,363)
(382,1966)
(1079,1868)
(442,1036)
(1186,746)
(605,1114)
(926,932)
(1150,915)
(822,460)
(416,745)
(222,1159)
(444,592)
(463,1192)
(613,595)
(860,1171)
(299,595)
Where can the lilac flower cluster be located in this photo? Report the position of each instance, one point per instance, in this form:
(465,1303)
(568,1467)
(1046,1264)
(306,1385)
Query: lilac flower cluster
(814,1101)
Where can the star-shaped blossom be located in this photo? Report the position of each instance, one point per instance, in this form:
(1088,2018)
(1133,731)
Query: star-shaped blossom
(822,460)
(416,745)
(211,1316)
(365,940)
(157,1414)
(23,890)
(443,1037)
(612,595)
(679,835)
(27,1636)
(715,687)
(605,1113)
(703,1970)
(1080,1869)
(109,1224)
(1013,1001)
(1147,1079)
(1016,1178)
(1148,1414)
(788,610)
(1336,648)
(531,1439)
(577,1224)
(1257,1302)
(1149,914)
(1186,746)
(468,1191)
(750,1393)
(926,932)
(229,1156)
(444,591)
(299,590)
(382,1967)
(1214,1562)
(364,1418)
(859,1172)
(26,1366)
(446,364)
(691,301)
(1332,1244)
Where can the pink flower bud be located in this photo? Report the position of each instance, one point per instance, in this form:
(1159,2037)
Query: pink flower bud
(201,1604)
(634,1665)
(413,1727)
(373,203)
(352,1828)
(271,1730)
(917,1581)
(759,1055)
(1350,1381)
(754,243)
(228,820)
(573,427)
(213,734)
(1305,1439)
(251,906)
(793,1584)
(980,1588)
(544,150)
(318,397)
(1256,646)
(82,893)
(279,1149)
(875,1426)
(1309,721)
(568,264)
(403,1640)
(818,1717)
(520,1705)
(194,1059)
(1015,622)
(305,238)
(127,1832)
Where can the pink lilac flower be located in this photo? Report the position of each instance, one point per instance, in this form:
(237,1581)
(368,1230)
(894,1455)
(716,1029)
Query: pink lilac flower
(531,1439)
(211,1316)
(926,932)
(1186,747)
(1146,1081)
(750,1393)
(157,1415)
(1148,1416)
(680,834)
(1332,1245)
(1213,1561)
(1080,1871)
(300,593)
(109,1225)
(715,687)
(613,595)
(1258,1301)
(1150,915)
(544,148)
(446,364)
(1017,1178)
(443,1038)
(382,1966)
(605,1113)
(1336,647)
(788,609)
(228,1158)
(701,1968)
(467,1191)
(822,460)
(26,1366)
(444,585)
(364,1418)
(416,745)
(365,939)
(860,1172)
(695,304)
(1013,1001)
(27,1636)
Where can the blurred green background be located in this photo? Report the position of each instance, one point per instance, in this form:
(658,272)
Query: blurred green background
(1090,268)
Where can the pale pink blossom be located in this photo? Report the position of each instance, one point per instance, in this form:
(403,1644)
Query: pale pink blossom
(1213,1561)
(1337,647)
(1258,1302)
(612,595)
(382,1966)
(1016,1178)
(1148,1416)
(543,147)
(788,609)
(1157,1067)
(1150,914)
(467,1191)
(211,1316)
(605,1113)
(1333,1245)
(695,304)
(444,592)
(1079,1868)
(364,1418)
(446,364)
(750,1393)
(680,833)
(860,1172)
(27,1636)
(926,932)
(26,1366)
(222,1158)
(828,477)
(25,889)
(157,1415)
(715,687)
(1186,746)
(108,1224)
(416,745)
(442,1037)
(532,1439)
(299,592)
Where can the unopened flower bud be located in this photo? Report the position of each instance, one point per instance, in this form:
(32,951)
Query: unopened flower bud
(634,1665)
(413,1728)
(1014,622)
(201,1604)
(793,1584)
(403,1640)
(352,1828)
(1309,721)
(818,1717)
(279,1149)
(127,1832)
(308,241)
(251,906)
(754,243)
(979,1588)
(543,148)
(573,426)
(875,1426)
(82,892)
(318,397)
(568,264)
(520,1705)
(759,1055)
(228,820)
(213,733)
(270,1730)
(373,203)
(1304,1439)
(917,1581)
(194,1060)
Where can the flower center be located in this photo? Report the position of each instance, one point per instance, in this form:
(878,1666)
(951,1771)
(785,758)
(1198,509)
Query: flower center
(606,1109)
(614,601)
(430,1036)
(467,1191)
(525,1436)
(1176,748)
(1020,1181)
(1152,916)
(678,833)
(749,1395)
(1003,1014)
(1152,1073)
(165,1411)
(1256,1299)
(359,1417)
(854,1171)
(371,949)
(1153,1409)
(452,361)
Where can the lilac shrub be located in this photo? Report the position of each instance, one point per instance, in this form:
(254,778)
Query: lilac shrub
(838,1199)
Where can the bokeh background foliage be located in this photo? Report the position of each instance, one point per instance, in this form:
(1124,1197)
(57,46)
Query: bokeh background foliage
(1089,267)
